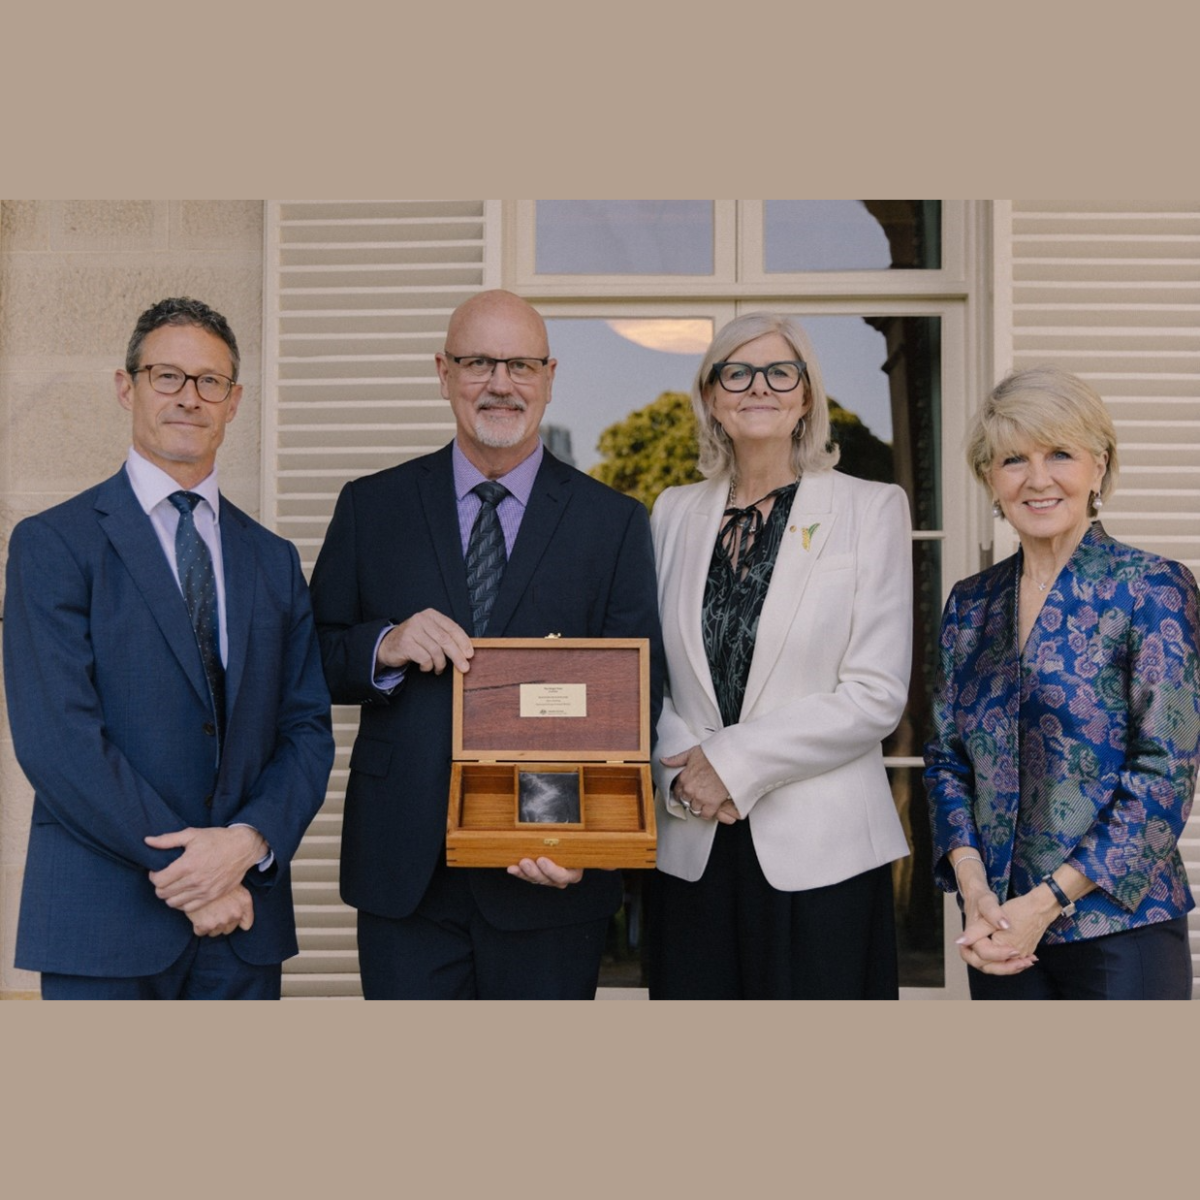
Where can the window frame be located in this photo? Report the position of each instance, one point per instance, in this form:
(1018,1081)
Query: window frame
(738,247)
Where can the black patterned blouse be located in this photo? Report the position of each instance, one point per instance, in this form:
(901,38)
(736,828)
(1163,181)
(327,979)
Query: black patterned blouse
(733,596)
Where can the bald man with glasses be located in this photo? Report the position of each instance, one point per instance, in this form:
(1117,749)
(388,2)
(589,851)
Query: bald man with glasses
(490,535)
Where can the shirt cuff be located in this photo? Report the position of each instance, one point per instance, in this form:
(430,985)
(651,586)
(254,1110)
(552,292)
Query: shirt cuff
(385,679)
(264,863)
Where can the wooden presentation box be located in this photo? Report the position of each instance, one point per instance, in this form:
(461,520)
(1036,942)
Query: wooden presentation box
(552,754)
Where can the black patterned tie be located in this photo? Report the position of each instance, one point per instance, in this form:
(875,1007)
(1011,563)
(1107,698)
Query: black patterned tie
(486,555)
(199,585)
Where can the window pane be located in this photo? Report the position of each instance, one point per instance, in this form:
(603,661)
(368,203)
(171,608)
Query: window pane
(624,237)
(883,379)
(852,235)
(608,370)
(918,902)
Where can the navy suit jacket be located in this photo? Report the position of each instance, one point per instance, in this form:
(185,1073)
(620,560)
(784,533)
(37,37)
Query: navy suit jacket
(112,723)
(582,566)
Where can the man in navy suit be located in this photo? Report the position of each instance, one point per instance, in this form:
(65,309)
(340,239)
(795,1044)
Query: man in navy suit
(394,608)
(176,759)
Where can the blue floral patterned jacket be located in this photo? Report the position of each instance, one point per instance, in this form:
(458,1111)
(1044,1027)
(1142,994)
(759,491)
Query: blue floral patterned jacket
(1084,748)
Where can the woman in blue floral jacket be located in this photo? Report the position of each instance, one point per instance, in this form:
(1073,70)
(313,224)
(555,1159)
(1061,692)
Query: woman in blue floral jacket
(1067,723)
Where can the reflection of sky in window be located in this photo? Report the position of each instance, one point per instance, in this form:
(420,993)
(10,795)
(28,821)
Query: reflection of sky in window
(624,237)
(602,376)
(852,355)
(824,235)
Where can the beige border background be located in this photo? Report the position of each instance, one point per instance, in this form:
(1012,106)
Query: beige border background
(623,1100)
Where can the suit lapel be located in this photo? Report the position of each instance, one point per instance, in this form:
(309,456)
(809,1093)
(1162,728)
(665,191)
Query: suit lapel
(804,538)
(440,507)
(237,555)
(547,502)
(701,527)
(132,536)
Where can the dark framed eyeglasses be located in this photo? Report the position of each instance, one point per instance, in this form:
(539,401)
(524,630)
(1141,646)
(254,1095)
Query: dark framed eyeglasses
(168,380)
(480,366)
(739,377)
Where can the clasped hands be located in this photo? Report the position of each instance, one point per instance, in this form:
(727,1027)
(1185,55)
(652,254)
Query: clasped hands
(699,788)
(205,881)
(1000,939)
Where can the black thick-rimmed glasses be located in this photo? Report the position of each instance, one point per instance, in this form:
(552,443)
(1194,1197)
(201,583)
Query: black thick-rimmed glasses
(739,377)
(168,380)
(480,366)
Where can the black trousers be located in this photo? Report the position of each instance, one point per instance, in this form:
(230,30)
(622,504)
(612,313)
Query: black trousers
(207,970)
(1153,962)
(731,936)
(446,950)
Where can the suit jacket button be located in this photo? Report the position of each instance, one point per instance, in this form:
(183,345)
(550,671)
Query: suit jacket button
(208,801)
(210,729)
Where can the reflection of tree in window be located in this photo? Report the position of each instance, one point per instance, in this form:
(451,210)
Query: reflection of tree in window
(651,450)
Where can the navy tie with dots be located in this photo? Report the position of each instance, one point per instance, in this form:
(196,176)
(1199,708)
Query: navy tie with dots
(486,555)
(199,585)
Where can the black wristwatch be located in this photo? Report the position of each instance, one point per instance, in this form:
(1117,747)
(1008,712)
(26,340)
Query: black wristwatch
(1067,905)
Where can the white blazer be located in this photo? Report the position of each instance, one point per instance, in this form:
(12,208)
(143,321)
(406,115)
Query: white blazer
(828,681)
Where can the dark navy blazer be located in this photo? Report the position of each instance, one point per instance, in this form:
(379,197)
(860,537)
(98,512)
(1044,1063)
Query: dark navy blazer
(112,724)
(582,566)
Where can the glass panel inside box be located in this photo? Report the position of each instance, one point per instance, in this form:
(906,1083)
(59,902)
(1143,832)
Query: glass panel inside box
(548,797)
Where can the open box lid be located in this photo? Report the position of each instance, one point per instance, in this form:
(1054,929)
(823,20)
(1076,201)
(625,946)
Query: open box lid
(554,700)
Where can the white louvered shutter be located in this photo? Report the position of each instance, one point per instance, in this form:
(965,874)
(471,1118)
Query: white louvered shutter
(1111,291)
(357,297)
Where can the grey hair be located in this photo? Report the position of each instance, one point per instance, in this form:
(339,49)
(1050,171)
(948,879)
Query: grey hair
(812,451)
(180,310)
(1050,407)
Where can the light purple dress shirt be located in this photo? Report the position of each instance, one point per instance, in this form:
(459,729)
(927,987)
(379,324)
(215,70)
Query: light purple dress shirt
(510,510)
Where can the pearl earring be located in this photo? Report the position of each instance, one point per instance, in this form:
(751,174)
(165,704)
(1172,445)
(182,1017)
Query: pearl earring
(997,511)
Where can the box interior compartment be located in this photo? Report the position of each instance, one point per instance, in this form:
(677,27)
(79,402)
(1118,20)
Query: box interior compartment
(611,798)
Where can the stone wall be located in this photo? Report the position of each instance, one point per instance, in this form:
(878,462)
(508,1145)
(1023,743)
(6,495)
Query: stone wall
(74,275)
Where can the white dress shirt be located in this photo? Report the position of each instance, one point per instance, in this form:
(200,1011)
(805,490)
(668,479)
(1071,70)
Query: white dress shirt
(152,485)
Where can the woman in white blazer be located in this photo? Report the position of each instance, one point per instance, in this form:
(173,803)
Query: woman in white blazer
(786,596)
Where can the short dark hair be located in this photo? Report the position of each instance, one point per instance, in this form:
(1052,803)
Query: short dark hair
(180,310)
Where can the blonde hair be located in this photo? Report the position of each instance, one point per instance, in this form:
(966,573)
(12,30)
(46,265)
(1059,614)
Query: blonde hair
(810,452)
(1050,407)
